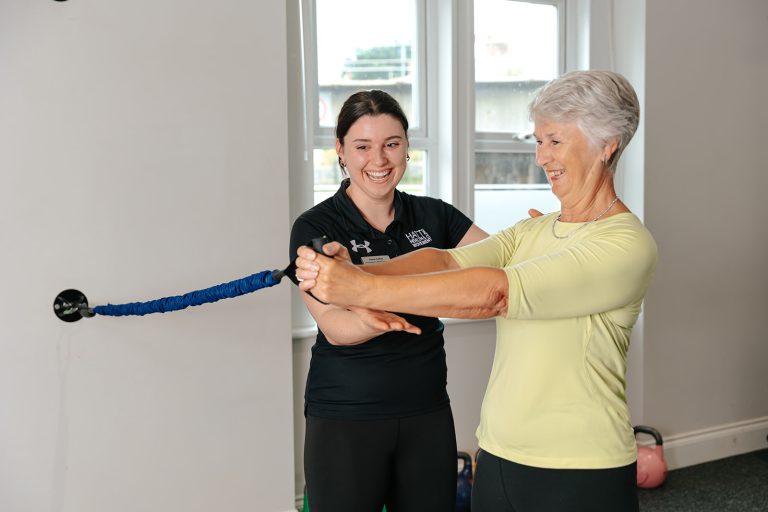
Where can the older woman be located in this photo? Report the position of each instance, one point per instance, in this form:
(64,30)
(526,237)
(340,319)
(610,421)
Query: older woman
(566,289)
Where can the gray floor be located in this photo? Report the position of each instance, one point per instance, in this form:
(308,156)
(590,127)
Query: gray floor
(738,484)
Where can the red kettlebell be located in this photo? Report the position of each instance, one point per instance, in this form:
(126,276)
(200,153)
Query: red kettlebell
(651,466)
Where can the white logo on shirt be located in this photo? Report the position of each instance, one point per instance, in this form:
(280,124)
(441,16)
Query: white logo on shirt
(365,245)
(418,238)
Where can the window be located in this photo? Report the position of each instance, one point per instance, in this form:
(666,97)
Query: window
(406,47)
(352,54)
(517,50)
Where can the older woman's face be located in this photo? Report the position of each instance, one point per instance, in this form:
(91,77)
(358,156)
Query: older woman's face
(571,163)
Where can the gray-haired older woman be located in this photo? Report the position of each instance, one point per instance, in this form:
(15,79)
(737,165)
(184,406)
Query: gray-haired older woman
(566,289)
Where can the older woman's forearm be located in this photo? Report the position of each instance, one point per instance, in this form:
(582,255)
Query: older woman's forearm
(421,261)
(479,292)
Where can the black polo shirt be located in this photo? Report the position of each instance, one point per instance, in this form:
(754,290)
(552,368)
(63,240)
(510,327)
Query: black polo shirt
(396,374)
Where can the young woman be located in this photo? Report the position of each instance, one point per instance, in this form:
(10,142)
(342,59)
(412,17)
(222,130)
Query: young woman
(379,428)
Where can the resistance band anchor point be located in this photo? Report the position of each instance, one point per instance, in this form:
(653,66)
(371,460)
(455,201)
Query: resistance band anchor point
(71,305)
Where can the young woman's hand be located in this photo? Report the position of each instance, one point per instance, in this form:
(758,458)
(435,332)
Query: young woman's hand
(384,320)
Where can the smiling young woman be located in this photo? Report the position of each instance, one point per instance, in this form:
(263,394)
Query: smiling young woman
(379,426)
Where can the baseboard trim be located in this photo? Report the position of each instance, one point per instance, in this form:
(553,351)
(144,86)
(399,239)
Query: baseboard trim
(699,446)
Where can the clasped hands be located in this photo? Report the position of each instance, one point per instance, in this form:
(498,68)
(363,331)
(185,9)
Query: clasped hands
(334,279)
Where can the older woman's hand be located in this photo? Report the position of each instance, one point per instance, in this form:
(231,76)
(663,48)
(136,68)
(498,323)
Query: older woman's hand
(331,278)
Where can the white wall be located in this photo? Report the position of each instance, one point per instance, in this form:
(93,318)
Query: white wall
(705,376)
(143,150)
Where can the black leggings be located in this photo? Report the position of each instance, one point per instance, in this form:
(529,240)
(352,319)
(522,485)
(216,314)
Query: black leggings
(408,464)
(505,486)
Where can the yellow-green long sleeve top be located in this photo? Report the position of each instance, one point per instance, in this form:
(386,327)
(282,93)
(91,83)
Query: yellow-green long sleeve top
(556,394)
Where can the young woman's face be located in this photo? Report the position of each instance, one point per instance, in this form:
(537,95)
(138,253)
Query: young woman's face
(374,152)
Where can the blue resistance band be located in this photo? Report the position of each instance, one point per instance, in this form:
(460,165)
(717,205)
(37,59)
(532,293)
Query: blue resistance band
(72,305)
(228,290)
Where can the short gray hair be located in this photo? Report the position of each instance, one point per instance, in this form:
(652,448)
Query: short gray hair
(603,105)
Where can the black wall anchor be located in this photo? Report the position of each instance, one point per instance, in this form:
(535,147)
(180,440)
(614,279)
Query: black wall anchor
(71,305)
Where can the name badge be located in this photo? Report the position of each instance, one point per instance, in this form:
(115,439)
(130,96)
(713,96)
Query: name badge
(374,259)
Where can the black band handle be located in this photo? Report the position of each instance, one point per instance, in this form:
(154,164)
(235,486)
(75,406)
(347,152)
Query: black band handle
(318,243)
(643,429)
(290,271)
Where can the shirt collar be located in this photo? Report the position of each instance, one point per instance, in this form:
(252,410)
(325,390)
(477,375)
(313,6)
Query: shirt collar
(344,203)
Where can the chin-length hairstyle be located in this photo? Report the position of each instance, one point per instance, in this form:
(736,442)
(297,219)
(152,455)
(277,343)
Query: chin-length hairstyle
(603,104)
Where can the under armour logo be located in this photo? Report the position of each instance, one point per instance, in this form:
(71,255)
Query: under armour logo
(365,245)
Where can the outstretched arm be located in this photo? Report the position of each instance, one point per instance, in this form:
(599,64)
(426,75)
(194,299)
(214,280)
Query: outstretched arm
(434,286)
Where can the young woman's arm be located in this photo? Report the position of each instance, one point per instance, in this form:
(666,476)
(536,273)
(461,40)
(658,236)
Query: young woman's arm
(354,325)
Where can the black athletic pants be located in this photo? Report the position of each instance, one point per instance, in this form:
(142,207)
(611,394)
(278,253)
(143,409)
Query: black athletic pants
(408,464)
(504,486)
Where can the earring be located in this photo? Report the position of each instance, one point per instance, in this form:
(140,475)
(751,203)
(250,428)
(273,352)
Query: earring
(341,163)
(407,158)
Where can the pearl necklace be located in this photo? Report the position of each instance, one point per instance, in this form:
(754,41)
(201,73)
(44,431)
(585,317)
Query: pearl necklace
(583,225)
